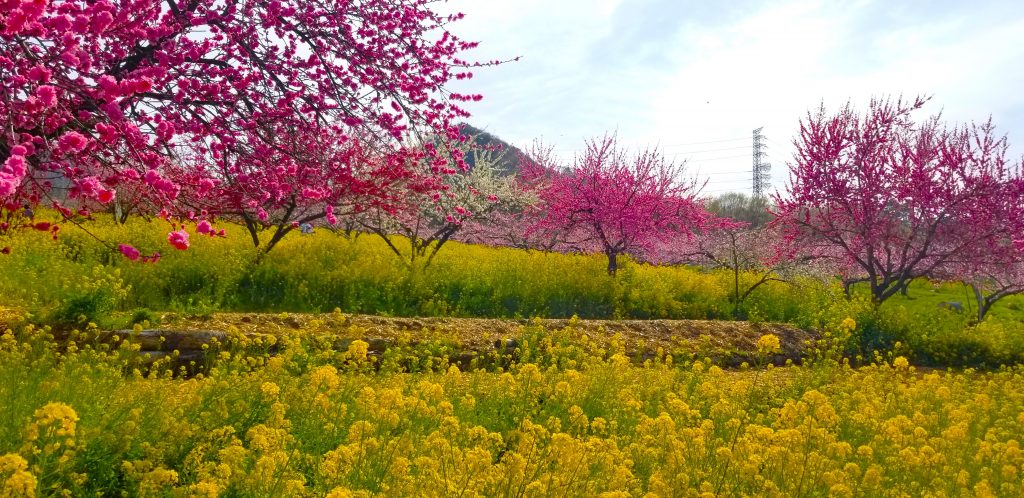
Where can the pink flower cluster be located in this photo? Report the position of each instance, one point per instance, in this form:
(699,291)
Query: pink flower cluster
(178,239)
(133,254)
(20,16)
(129,101)
(12,172)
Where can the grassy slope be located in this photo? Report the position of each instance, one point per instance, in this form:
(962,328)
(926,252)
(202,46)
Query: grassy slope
(924,297)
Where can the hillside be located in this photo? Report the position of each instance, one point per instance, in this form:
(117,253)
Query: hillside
(509,162)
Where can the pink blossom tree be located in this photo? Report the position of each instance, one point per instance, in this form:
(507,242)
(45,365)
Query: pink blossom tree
(515,224)
(616,203)
(749,254)
(994,270)
(894,199)
(96,93)
(990,280)
(303,178)
(441,204)
(998,278)
(512,228)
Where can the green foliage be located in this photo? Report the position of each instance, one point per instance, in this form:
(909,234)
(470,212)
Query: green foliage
(81,309)
(741,207)
(143,316)
(986,345)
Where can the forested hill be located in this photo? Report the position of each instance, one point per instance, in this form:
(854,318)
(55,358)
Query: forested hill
(508,164)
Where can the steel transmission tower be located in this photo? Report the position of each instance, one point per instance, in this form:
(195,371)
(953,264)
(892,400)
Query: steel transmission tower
(762,175)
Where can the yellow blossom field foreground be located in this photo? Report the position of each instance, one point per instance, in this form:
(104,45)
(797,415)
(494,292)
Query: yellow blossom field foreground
(561,418)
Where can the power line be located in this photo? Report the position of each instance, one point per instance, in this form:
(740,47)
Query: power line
(681,144)
(727,172)
(676,153)
(720,190)
(710,150)
(707,159)
(707,142)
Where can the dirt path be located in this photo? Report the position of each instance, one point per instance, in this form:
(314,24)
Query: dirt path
(481,333)
(726,341)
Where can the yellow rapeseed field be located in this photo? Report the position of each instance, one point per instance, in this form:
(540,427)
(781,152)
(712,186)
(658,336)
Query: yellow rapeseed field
(293,418)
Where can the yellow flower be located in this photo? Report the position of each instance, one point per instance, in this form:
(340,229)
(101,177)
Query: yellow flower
(270,390)
(848,324)
(52,431)
(840,490)
(530,373)
(324,378)
(157,480)
(768,344)
(15,479)
(900,363)
(204,489)
(59,414)
(19,484)
(873,476)
(358,350)
(577,418)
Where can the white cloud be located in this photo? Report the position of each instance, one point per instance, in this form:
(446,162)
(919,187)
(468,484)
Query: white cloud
(678,73)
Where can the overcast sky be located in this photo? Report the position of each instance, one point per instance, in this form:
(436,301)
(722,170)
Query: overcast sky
(696,77)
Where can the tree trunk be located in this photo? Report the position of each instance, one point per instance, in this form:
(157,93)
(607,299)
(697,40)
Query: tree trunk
(255,236)
(735,272)
(736,285)
(877,293)
(735,298)
(118,213)
(983,304)
(253,230)
(613,262)
(846,288)
(418,249)
(278,235)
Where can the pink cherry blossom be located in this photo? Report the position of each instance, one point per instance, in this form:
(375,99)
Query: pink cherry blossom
(129,252)
(12,172)
(329,214)
(72,142)
(47,95)
(105,196)
(178,239)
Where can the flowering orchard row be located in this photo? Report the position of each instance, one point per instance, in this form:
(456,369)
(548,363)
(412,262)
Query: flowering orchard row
(285,114)
(267,112)
(568,419)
